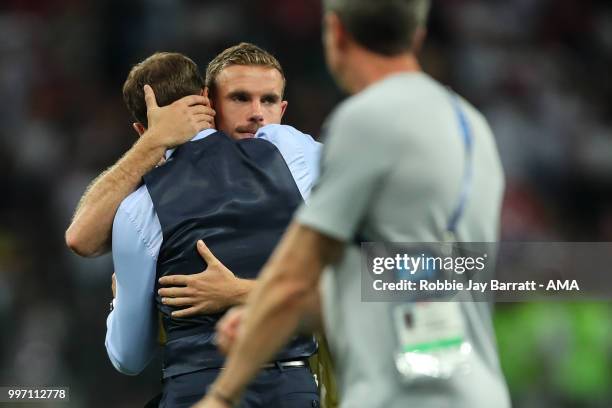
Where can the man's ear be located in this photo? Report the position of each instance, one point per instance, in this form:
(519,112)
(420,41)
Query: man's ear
(206,93)
(418,39)
(337,31)
(283,107)
(139,128)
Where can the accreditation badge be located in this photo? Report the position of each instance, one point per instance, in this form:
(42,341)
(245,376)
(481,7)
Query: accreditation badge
(431,341)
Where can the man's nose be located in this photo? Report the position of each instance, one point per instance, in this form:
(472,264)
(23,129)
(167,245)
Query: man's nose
(256,112)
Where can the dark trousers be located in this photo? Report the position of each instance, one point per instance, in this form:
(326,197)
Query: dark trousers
(292,387)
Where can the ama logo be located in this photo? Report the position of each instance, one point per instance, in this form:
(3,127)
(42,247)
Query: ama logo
(566,285)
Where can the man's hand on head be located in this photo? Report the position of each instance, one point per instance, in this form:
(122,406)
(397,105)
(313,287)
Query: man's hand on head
(214,290)
(178,122)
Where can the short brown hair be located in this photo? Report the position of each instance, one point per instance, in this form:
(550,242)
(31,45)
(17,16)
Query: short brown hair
(241,54)
(170,74)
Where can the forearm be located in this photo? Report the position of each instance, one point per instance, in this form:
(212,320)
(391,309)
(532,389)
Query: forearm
(312,315)
(90,231)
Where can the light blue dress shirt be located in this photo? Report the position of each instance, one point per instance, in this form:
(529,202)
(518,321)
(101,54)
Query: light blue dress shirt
(132,326)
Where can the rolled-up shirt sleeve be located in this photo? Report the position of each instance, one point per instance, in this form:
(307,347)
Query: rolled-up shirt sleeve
(132,327)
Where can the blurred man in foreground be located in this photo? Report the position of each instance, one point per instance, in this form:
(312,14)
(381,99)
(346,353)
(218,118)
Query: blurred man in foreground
(398,157)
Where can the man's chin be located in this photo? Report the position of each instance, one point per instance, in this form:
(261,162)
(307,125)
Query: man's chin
(243,135)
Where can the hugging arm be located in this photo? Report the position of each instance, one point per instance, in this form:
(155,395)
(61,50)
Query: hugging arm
(89,233)
(213,290)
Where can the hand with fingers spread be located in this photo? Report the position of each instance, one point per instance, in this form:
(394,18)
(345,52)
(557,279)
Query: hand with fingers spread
(180,121)
(216,289)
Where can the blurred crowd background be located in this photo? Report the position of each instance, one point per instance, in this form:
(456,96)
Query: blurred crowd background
(538,69)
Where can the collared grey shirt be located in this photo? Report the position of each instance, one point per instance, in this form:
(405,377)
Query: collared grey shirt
(391,171)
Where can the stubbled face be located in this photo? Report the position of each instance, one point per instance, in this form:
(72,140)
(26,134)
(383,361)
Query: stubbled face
(246,98)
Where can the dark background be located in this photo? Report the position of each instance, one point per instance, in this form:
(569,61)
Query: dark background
(538,69)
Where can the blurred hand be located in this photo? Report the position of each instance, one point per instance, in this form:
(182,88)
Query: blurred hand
(114,285)
(228,328)
(210,291)
(180,121)
(210,402)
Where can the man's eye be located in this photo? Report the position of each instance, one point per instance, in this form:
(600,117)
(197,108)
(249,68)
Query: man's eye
(239,98)
(269,101)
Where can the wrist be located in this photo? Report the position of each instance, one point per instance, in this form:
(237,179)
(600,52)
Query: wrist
(243,289)
(152,142)
(222,397)
(142,157)
(227,387)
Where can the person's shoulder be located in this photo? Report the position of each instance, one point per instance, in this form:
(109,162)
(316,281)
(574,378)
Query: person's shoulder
(360,119)
(277,132)
(477,121)
(287,136)
(407,86)
(364,110)
(477,117)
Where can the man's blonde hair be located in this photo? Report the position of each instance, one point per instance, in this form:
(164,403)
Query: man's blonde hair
(241,54)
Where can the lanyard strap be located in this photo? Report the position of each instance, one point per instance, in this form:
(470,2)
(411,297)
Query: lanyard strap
(468,172)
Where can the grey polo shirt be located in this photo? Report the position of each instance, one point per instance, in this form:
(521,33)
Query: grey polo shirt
(392,171)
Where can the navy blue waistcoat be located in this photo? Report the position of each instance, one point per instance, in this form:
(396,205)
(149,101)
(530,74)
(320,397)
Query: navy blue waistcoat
(237,196)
